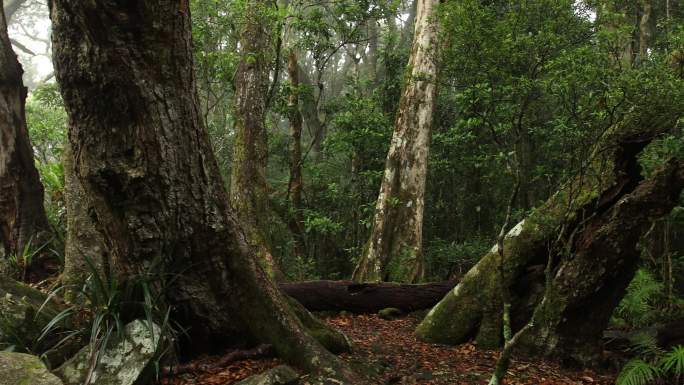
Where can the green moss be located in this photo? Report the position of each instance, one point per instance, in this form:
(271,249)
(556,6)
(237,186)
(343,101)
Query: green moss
(24,369)
(390,313)
(333,340)
(489,335)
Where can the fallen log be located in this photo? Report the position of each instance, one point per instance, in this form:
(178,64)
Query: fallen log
(666,336)
(671,334)
(366,297)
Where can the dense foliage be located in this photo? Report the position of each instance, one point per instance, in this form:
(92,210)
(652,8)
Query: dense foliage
(525,87)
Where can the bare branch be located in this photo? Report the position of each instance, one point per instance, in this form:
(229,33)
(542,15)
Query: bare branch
(22,47)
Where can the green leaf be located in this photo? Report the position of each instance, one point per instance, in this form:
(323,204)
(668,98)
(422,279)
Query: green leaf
(673,361)
(637,372)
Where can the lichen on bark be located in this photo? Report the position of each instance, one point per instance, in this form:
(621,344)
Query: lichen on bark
(397,232)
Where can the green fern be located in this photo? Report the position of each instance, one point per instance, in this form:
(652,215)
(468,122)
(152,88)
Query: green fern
(666,366)
(638,372)
(638,305)
(645,344)
(673,362)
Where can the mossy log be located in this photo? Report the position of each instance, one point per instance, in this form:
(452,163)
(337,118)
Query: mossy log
(592,268)
(366,297)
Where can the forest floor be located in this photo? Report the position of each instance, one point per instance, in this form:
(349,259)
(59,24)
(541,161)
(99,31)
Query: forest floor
(394,356)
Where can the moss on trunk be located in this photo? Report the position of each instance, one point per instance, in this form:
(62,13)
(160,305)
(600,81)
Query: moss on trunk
(588,285)
(473,308)
(248,187)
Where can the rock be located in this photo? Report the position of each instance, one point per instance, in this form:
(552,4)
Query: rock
(24,369)
(123,361)
(20,322)
(280,375)
(390,313)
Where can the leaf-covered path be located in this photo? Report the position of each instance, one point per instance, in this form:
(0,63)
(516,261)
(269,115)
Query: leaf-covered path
(393,355)
(392,347)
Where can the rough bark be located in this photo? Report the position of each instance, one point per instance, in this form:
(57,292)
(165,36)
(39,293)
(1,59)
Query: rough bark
(83,240)
(587,287)
(248,187)
(394,250)
(144,159)
(582,210)
(22,214)
(365,297)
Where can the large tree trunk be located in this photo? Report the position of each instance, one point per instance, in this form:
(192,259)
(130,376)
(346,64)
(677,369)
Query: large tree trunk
(365,297)
(394,250)
(589,285)
(144,159)
(595,259)
(83,240)
(248,188)
(22,214)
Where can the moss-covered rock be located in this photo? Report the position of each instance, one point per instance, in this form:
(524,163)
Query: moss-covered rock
(24,369)
(24,312)
(390,313)
(122,363)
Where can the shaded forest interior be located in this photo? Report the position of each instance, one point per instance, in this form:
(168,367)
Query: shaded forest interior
(342,192)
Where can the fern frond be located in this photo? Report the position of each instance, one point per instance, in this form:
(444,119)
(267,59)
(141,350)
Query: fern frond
(638,372)
(637,307)
(673,361)
(645,344)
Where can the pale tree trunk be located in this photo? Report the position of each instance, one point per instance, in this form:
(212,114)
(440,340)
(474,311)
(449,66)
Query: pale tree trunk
(309,109)
(371,56)
(645,28)
(22,214)
(248,187)
(295,185)
(143,156)
(599,215)
(611,17)
(397,232)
